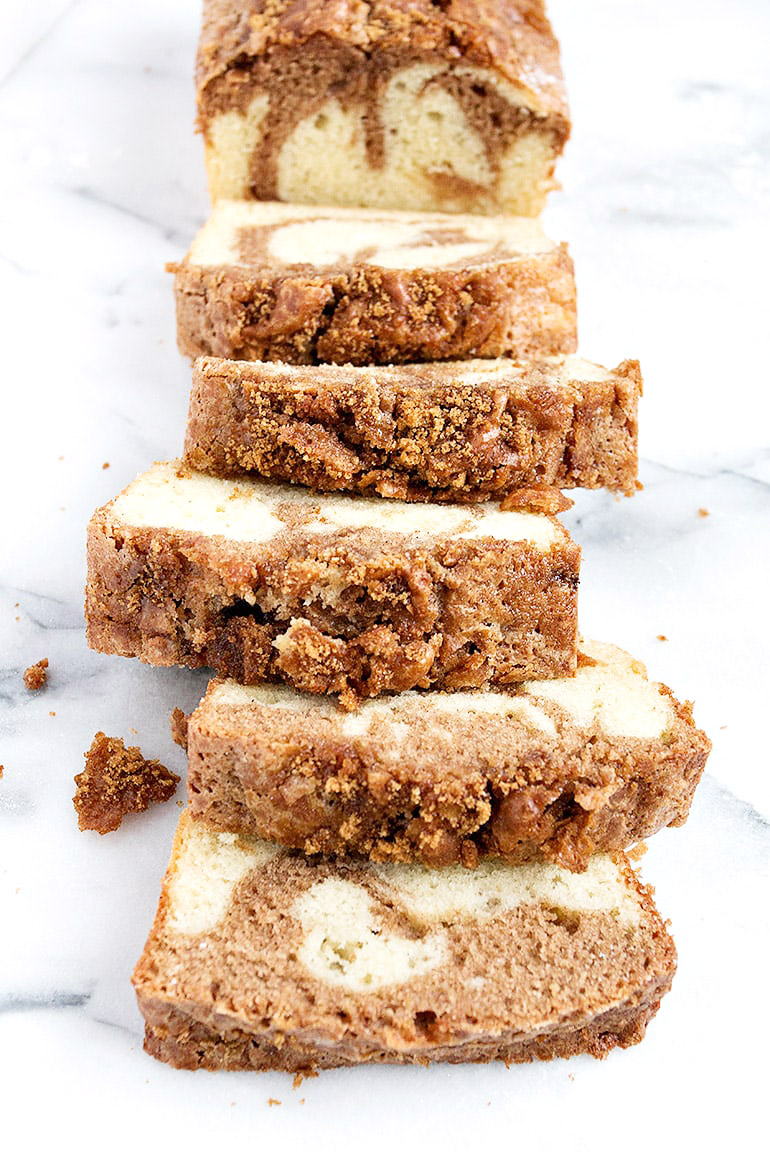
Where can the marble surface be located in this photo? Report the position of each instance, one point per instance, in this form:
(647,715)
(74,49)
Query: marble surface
(665,204)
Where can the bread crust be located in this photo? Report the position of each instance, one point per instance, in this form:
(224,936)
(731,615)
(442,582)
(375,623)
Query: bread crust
(514,37)
(357,613)
(524,308)
(178,1039)
(421,432)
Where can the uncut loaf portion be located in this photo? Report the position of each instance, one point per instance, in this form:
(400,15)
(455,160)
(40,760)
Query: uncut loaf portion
(332,594)
(554,769)
(268,281)
(452,430)
(260,959)
(452,107)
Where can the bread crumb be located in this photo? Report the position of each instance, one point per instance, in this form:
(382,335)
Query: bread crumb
(546,501)
(179,728)
(118,780)
(585,661)
(662,637)
(51,713)
(636,853)
(703,512)
(2,769)
(272,1102)
(36,676)
(105,465)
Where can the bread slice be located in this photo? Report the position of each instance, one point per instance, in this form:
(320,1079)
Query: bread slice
(457,430)
(268,281)
(556,769)
(260,959)
(341,594)
(446,107)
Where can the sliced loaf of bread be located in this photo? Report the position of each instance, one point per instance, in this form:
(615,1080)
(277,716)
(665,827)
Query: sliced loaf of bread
(261,959)
(553,769)
(455,431)
(335,594)
(269,281)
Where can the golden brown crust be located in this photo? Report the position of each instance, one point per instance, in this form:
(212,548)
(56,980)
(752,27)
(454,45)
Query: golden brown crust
(523,307)
(462,786)
(357,613)
(115,781)
(416,433)
(511,36)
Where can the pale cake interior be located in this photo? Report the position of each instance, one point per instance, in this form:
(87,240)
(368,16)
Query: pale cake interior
(345,941)
(614,694)
(430,147)
(329,237)
(558,370)
(172,496)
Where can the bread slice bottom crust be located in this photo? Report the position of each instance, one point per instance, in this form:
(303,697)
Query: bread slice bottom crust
(178,1039)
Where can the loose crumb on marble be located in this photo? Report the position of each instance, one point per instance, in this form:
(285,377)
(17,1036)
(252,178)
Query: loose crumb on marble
(703,512)
(105,465)
(115,781)
(661,636)
(36,676)
(273,1103)
(2,769)
(51,713)
(179,728)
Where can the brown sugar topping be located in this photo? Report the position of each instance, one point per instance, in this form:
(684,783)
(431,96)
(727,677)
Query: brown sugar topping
(36,676)
(115,781)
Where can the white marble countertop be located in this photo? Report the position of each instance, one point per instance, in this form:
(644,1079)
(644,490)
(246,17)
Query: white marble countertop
(665,203)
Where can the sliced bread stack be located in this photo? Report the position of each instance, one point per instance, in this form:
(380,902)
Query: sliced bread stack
(411,783)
